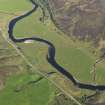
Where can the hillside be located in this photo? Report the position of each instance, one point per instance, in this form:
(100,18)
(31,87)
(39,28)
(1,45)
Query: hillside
(80,19)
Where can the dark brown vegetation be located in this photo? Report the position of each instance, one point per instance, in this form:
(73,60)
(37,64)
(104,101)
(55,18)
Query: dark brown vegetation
(82,19)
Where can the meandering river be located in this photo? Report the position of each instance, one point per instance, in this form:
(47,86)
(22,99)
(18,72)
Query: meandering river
(51,52)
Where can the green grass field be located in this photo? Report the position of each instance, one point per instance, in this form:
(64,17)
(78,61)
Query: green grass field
(15,74)
(76,57)
(14,5)
(34,94)
(40,93)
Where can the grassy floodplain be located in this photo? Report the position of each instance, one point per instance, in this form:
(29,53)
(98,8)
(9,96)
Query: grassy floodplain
(13,69)
(14,75)
(76,57)
(14,6)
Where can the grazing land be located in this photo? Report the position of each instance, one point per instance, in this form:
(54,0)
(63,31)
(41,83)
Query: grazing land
(77,52)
